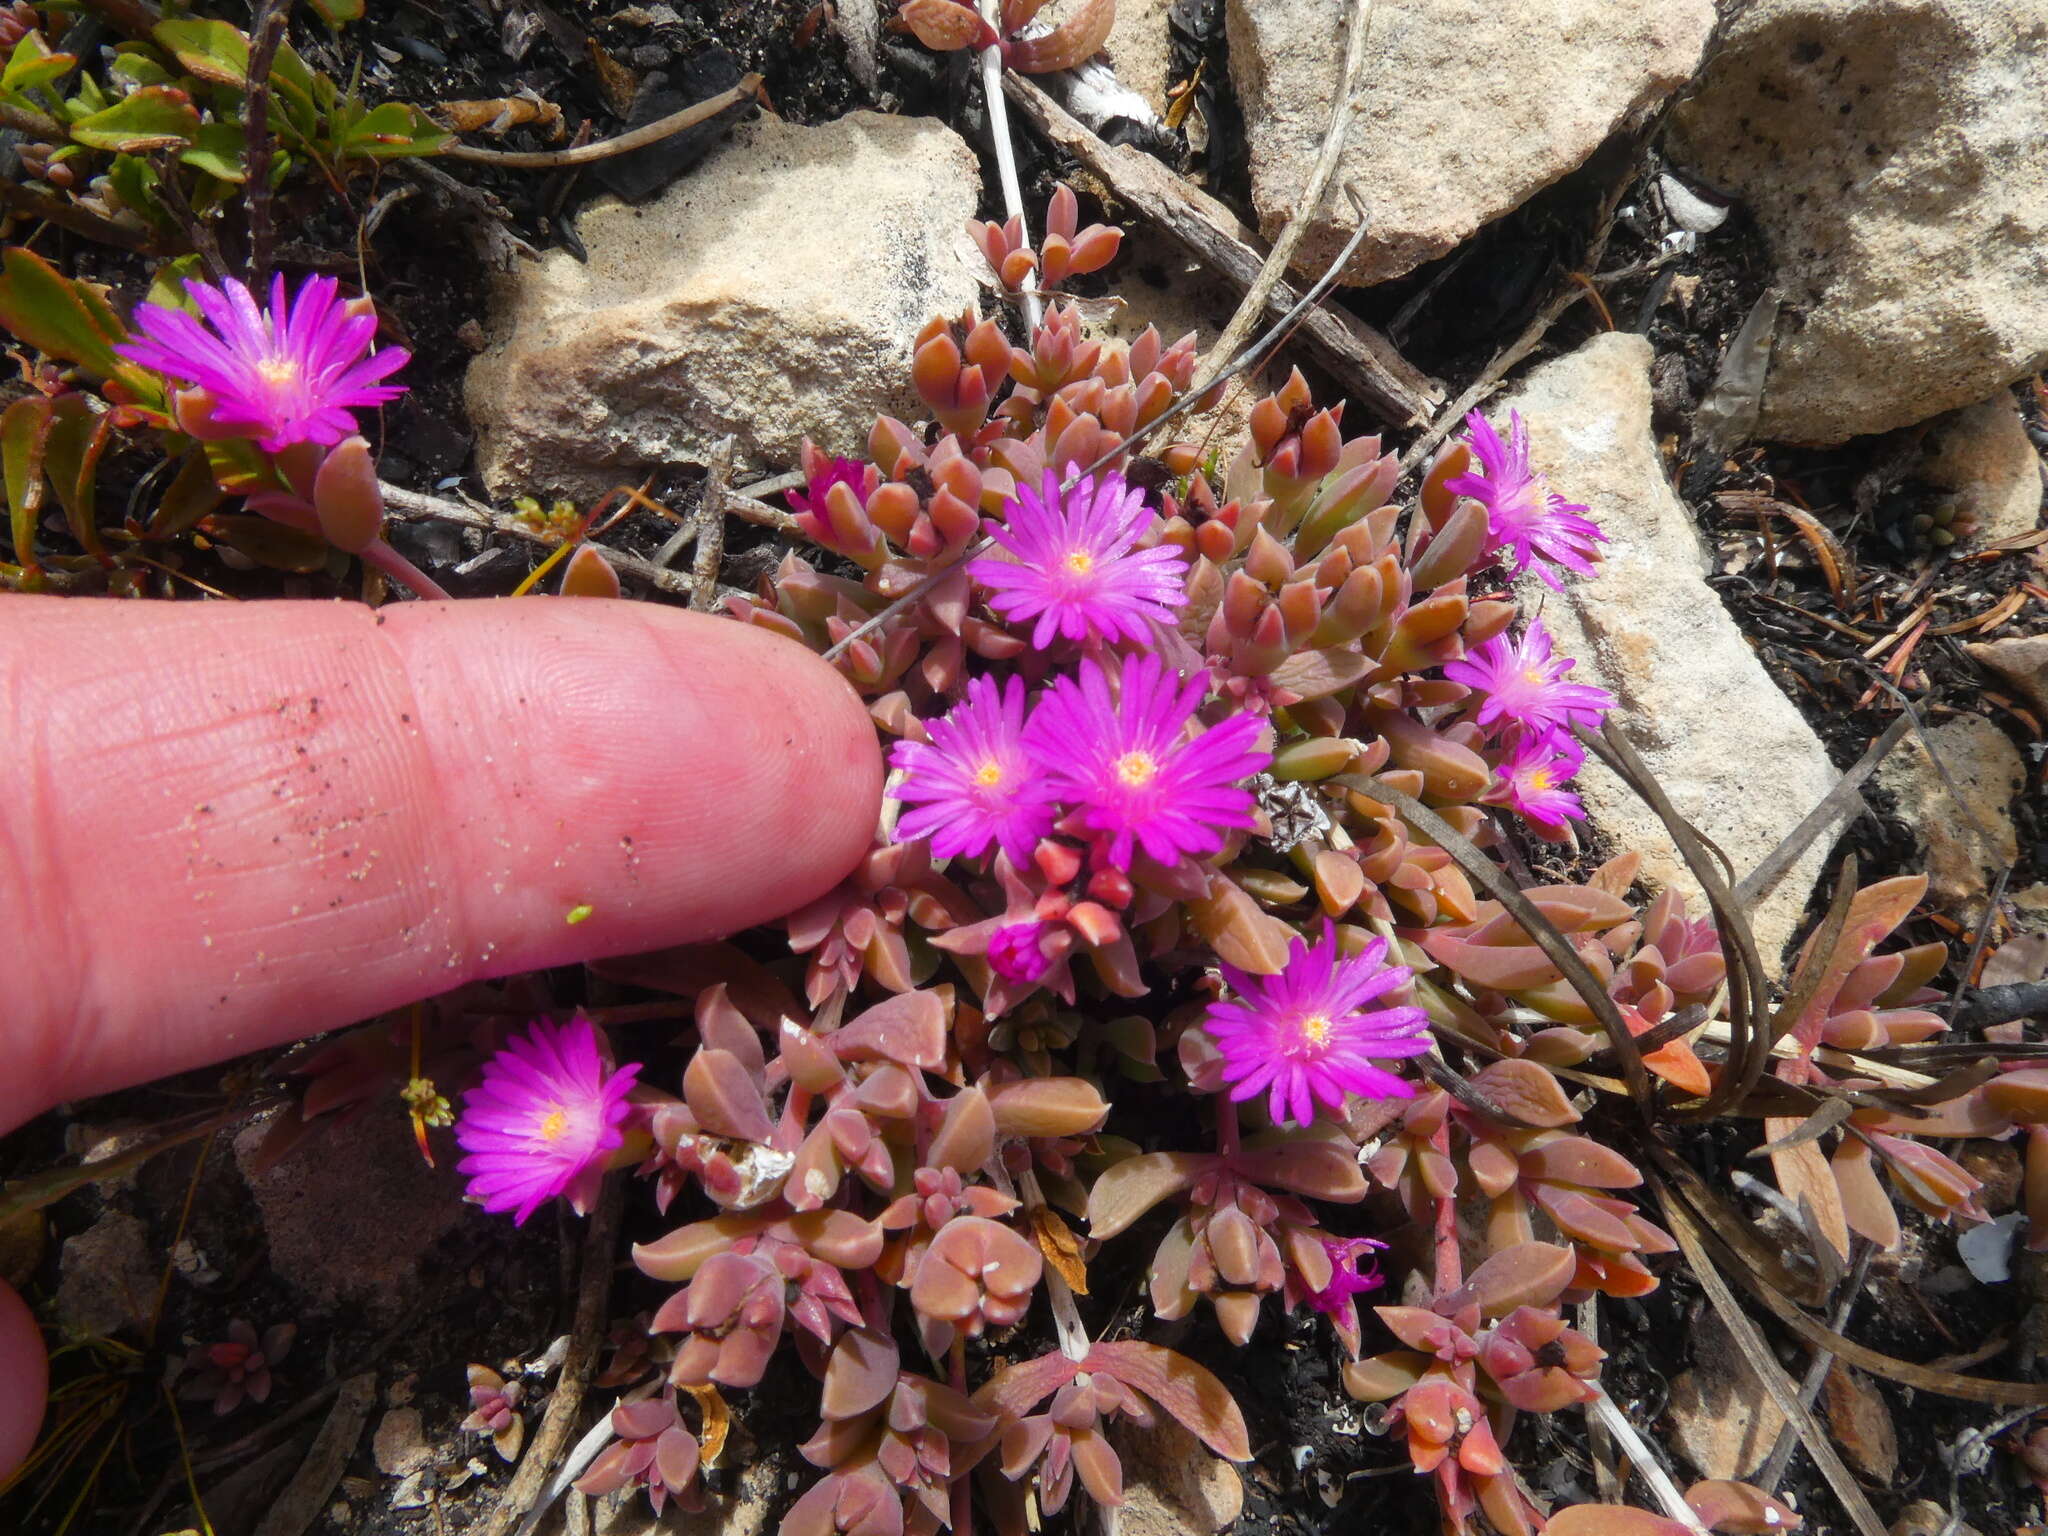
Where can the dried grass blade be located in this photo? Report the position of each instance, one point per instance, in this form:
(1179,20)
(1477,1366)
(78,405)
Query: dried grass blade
(1832,805)
(1541,931)
(1975,1389)
(1765,1364)
(1816,1125)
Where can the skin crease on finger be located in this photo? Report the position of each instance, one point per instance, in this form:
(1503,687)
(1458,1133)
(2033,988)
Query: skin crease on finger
(228,826)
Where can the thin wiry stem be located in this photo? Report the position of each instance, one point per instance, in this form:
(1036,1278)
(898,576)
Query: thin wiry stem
(1006,151)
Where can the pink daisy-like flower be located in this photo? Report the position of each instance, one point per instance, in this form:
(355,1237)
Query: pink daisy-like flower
(1527,520)
(974,784)
(1523,684)
(289,374)
(1306,1037)
(542,1120)
(1532,778)
(1076,568)
(1120,759)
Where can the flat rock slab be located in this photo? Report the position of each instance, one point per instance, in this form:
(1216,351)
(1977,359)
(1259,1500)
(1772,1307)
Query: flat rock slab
(1895,154)
(773,292)
(1961,818)
(1468,107)
(1731,751)
(1983,456)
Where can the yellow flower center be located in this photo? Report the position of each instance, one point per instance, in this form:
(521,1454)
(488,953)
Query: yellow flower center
(1136,768)
(1080,562)
(1531,675)
(1316,1028)
(278,371)
(1540,779)
(556,1124)
(989,774)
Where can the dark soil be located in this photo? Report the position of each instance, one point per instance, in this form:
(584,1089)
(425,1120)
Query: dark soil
(492,1295)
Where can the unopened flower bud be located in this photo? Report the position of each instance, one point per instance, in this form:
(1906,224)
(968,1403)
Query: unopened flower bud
(346,498)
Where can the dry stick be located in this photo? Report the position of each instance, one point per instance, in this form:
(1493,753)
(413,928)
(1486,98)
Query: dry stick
(578,1366)
(1679,1220)
(40,126)
(1006,152)
(1601,1408)
(19,200)
(413,506)
(604,149)
(1281,258)
(270,24)
(1834,805)
(711,527)
(1364,361)
(1773,1470)
(1251,358)
(1608,1482)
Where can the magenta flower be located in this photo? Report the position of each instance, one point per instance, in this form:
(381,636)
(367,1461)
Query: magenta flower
(1076,568)
(973,784)
(847,472)
(1524,517)
(1016,954)
(1346,1279)
(1532,778)
(1120,759)
(542,1120)
(1523,684)
(1306,1037)
(282,376)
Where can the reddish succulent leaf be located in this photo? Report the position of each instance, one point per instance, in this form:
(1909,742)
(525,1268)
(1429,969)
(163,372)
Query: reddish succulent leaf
(910,1028)
(1873,913)
(1240,931)
(1016,1389)
(840,1238)
(861,1374)
(1610,1520)
(1865,1205)
(724,1098)
(1190,1392)
(1524,1089)
(967,1136)
(1803,1174)
(1047,1106)
(944,25)
(1503,967)
(1579,1160)
(679,1255)
(1317,674)
(1380,1377)
(1321,1167)
(1526,1275)
(1127,1190)
(1068,46)
(2022,1096)
(1740,1509)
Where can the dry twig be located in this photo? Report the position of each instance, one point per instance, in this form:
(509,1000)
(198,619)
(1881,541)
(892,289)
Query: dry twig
(605,149)
(1281,258)
(711,528)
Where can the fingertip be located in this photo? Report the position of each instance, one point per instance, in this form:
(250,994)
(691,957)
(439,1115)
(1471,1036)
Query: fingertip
(24,1381)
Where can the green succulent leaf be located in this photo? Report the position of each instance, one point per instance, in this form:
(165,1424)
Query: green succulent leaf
(32,64)
(337,12)
(386,132)
(211,50)
(219,151)
(155,117)
(56,315)
(77,436)
(23,429)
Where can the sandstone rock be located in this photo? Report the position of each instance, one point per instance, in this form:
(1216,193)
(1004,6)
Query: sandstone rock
(1893,153)
(2023,662)
(1731,751)
(1965,843)
(1861,1422)
(1983,455)
(1468,108)
(1173,1484)
(348,1217)
(773,292)
(107,1277)
(1141,48)
(1721,1416)
(400,1443)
